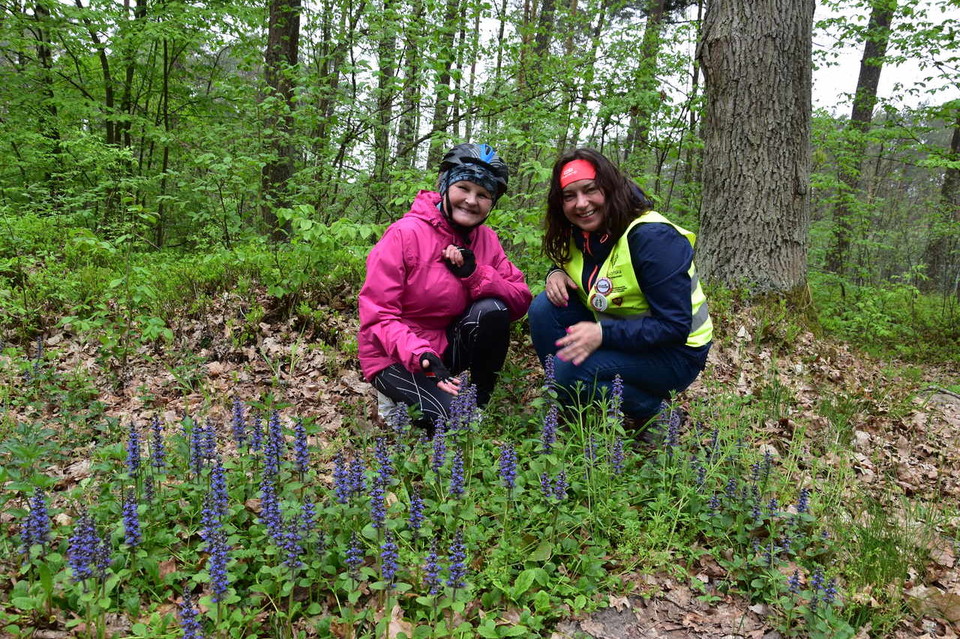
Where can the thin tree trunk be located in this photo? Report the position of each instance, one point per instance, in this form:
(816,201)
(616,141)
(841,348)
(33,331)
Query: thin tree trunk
(864,101)
(283,38)
(942,254)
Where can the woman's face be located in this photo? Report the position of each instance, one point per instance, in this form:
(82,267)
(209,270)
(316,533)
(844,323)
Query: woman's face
(583,204)
(470,203)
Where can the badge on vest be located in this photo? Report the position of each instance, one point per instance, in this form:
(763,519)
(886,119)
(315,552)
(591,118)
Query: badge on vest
(604,286)
(599,302)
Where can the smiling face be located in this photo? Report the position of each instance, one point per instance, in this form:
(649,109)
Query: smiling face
(583,205)
(470,203)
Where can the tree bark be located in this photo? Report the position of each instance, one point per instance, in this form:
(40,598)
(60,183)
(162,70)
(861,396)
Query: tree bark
(942,254)
(756,59)
(283,38)
(864,101)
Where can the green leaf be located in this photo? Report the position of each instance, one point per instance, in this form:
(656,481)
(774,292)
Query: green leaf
(543,552)
(522,584)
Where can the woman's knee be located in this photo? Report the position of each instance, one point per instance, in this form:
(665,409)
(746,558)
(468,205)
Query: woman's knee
(540,309)
(492,312)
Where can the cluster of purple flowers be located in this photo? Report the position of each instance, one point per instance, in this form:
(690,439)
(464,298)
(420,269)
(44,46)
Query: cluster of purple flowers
(35,529)
(555,488)
(88,553)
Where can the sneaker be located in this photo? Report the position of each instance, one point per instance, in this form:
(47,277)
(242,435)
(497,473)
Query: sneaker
(386,408)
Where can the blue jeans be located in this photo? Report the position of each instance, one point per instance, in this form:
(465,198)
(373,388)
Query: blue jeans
(649,377)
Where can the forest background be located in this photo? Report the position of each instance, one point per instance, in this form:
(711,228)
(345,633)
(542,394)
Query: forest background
(184,183)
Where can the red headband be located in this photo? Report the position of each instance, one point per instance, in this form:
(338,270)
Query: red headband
(575,170)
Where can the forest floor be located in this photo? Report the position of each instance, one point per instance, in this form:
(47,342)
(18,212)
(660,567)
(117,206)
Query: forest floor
(916,455)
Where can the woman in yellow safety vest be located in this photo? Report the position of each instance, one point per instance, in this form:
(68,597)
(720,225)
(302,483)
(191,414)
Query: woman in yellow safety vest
(623,297)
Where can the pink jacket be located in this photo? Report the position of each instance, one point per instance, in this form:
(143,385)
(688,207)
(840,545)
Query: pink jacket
(410,297)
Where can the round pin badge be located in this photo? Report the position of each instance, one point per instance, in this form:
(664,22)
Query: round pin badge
(604,286)
(599,302)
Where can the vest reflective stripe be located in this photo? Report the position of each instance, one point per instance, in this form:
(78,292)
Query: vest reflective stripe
(624,299)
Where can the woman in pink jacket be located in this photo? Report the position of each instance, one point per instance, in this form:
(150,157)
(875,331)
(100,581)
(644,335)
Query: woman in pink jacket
(440,292)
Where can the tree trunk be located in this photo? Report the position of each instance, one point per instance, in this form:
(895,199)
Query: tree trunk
(283,38)
(441,109)
(756,59)
(942,254)
(865,99)
(386,74)
(410,109)
(646,94)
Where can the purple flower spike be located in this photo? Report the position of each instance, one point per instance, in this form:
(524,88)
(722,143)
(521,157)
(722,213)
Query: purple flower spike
(548,435)
(87,554)
(384,463)
(794,582)
(508,465)
(431,570)
(415,520)
(188,618)
(439,448)
(256,433)
(358,477)
(378,505)
(238,420)
(341,479)
(158,450)
(803,503)
(131,521)
(388,559)
(560,486)
(616,457)
(457,479)
(36,525)
(133,450)
(616,399)
(354,557)
(458,562)
(301,451)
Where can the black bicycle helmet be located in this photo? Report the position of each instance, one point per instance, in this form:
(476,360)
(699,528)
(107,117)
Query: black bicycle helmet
(483,155)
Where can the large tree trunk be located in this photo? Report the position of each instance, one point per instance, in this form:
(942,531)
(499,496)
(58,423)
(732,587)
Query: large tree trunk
(942,254)
(283,38)
(865,99)
(756,59)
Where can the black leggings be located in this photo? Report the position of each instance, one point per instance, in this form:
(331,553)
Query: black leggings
(478,343)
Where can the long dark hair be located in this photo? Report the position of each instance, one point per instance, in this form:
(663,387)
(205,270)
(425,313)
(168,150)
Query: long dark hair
(625,201)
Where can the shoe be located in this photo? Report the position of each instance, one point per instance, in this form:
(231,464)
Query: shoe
(661,427)
(386,408)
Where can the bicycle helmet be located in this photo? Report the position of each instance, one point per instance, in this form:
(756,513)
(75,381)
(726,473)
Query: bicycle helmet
(478,163)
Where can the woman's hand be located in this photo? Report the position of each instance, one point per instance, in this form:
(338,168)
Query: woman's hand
(434,367)
(452,255)
(461,261)
(581,340)
(556,289)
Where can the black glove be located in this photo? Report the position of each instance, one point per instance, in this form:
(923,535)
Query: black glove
(469,264)
(434,367)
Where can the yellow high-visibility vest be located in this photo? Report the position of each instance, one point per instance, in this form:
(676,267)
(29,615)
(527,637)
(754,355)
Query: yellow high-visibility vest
(615,292)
